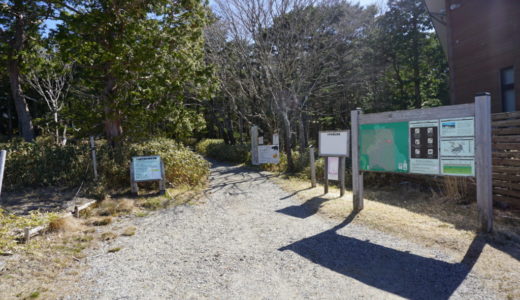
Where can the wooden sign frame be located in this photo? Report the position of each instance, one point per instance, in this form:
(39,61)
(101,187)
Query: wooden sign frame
(480,110)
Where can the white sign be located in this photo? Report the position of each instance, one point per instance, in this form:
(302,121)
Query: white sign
(333,168)
(334,143)
(458,127)
(147,168)
(424,147)
(276,139)
(268,154)
(260,140)
(458,147)
(458,167)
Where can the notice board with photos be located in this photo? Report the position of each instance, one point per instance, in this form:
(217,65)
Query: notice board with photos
(435,147)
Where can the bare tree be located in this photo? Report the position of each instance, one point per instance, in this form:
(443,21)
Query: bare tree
(52,84)
(280,55)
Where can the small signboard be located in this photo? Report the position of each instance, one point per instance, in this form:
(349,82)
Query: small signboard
(147,168)
(333,168)
(268,154)
(334,143)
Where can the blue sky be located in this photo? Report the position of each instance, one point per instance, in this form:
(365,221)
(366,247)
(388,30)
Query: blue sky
(51,24)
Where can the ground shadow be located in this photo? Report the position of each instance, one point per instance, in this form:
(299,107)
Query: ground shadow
(398,272)
(305,210)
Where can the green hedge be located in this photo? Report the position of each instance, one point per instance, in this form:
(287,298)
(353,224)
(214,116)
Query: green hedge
(217,149)
(44,164)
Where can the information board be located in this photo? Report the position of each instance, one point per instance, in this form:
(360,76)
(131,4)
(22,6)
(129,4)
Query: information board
(146,168)
(334,143)
(384,147)
(268,154)
(435,147)
(424,147)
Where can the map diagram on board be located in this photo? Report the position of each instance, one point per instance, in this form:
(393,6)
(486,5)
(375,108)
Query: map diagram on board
(384,147)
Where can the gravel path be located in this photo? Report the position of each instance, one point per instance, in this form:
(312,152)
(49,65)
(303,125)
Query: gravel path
(252,240)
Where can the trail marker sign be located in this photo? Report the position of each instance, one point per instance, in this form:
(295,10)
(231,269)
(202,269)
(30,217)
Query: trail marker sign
(334,146)
(334,143)
(147,168)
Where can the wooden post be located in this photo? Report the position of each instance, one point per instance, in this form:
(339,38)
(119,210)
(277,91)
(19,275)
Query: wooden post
(342,176)
(313,167)
(93,152)
(133,184)
(483,161)
(357,176)
(162,182)
(326,175)
(3,155)
(254,145)
(26,235)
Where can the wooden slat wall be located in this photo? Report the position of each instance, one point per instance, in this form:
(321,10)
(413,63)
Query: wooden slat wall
(506,158)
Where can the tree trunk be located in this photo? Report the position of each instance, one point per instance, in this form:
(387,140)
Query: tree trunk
(301,134)
(113,128)
(229,127)
(13,67)
(287,139)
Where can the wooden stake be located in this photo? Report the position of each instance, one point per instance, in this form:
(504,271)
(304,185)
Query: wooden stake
(313,167)
(3,155)
(93,152)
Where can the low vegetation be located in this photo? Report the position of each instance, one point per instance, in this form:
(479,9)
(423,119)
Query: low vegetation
(218,149)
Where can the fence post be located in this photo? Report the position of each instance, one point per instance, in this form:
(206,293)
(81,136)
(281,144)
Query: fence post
(357,176)
(133,184)
(3,155)
(313,167)
(483,161)
(93,152)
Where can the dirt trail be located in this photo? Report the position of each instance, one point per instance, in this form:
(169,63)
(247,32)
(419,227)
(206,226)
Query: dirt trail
(251,240)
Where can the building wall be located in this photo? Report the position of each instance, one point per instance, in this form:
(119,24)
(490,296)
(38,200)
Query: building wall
(484,38)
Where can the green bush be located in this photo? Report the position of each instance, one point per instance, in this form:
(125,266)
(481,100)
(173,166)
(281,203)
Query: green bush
(44,164)
(217,149)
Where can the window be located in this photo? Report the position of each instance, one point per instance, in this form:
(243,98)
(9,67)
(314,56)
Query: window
(507,80)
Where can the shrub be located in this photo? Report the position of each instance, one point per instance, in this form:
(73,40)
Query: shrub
(217,149)
(44,164)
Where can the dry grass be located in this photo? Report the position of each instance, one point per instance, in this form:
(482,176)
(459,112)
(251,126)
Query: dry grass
(115,207)
(129,231)
(429,221)
(66,224)
(101,221)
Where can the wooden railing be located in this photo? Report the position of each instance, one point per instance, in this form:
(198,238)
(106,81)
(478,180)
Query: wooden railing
(506,158)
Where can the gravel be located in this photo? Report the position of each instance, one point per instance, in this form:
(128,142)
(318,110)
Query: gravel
(249,239)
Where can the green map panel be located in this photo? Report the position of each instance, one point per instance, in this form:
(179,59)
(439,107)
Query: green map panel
(384,147)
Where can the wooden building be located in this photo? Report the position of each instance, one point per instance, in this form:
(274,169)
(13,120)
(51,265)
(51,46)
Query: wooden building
(481,39)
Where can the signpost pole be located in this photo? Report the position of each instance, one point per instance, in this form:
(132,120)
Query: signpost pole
(483,160)
(326,175)
(357,176)
(313,167)
(342,175)
(3,155)
(133,184)
(93,152)
(254,145)
(162,182)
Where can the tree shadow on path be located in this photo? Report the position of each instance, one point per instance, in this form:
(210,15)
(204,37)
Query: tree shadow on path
(398,272)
